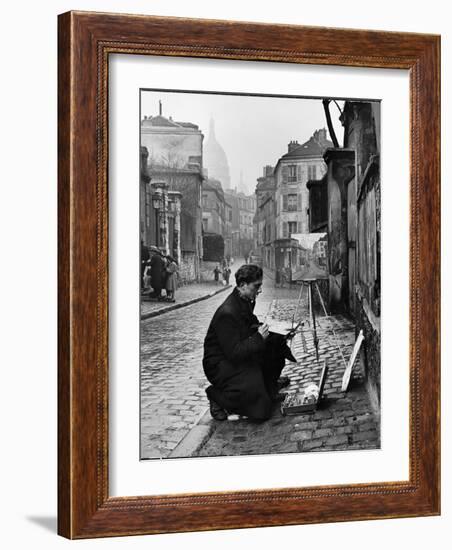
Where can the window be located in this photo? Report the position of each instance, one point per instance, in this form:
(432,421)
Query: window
(284,225)
(312,172)
(292,177)
(292,228)
(292,202)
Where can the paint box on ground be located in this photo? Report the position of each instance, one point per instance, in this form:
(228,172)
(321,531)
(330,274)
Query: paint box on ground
(302,402)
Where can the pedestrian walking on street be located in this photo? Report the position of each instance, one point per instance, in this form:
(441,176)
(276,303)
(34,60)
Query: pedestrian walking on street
(216,273)
(242,360)
(226,274)
(171,278)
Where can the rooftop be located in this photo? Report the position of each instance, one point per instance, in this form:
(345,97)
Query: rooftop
(314,147)
(162,122)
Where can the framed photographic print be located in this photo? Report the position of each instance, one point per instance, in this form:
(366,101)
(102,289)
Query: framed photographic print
(248,275)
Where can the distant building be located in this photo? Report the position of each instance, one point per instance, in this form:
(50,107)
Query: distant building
(243,210)
(264,221)
(175,159)
(293,170)
(217,213)
(215,159)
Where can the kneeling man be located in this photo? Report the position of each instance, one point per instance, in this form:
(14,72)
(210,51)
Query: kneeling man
(242,360)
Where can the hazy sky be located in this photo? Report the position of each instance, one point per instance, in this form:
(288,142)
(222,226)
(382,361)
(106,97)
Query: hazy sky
(253,130)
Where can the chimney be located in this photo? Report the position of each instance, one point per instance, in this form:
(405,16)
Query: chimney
(292,145)
(268,170)
(319,136)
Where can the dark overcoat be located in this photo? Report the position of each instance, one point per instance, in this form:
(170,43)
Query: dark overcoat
(157,269)
(241,366)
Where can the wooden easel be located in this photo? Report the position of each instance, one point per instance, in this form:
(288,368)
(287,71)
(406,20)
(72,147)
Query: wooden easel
(309,284)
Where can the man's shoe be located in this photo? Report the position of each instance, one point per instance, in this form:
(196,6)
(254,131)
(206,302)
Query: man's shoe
(282,382)
(216,411)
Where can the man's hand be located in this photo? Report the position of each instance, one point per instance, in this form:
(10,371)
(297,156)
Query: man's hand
(263,331)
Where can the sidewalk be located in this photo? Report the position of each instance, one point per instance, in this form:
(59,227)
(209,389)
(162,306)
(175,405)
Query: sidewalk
(185,296)
(343,421)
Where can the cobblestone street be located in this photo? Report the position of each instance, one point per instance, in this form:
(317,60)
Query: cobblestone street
(343,421)
(172,379)
(174,403)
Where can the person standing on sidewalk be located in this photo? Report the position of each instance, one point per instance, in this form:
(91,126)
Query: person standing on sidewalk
(144,255)
(242,360)
(171,275)
(157,273)
(147,276)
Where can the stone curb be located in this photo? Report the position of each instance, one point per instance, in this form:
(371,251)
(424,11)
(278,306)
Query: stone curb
(182,304)
(195,438)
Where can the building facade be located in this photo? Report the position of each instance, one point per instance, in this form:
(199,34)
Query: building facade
(213,207)
(175,160)
(354,230)
(160,211)
(243,209)
(293,170)
(217,213)
(264,221)
(301,164)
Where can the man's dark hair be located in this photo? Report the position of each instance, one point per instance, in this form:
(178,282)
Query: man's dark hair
(248,273)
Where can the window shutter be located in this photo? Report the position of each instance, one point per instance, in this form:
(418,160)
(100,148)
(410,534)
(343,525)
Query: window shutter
(299,228)
(285,173)
(285,203)
(285,231)
(299,172)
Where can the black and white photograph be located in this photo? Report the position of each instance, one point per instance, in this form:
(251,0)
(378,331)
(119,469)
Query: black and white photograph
(259,274)
(212,254)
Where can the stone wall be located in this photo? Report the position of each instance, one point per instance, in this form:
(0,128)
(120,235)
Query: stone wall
(187,268)
(371,348)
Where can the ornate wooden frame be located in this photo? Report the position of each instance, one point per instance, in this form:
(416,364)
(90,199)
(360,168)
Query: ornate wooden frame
(85,42)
